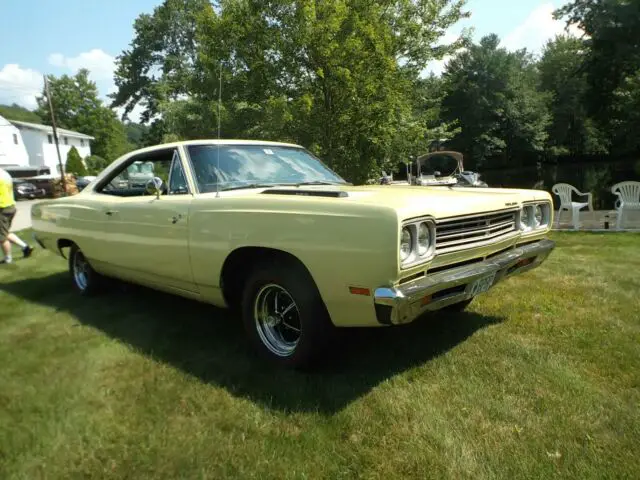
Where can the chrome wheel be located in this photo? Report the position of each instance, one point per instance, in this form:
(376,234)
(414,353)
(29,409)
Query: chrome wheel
(80,270)
(277,320)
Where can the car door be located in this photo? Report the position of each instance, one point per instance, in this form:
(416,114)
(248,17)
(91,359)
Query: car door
(148,238)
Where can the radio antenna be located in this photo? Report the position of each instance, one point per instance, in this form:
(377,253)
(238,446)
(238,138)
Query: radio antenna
(218,149)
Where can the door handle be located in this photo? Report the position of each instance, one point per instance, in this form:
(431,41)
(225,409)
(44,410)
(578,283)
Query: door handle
(110,212)
(175,218)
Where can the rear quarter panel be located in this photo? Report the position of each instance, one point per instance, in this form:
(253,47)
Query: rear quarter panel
(78,218)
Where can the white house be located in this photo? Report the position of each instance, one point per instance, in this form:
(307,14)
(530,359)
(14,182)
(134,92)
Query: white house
(41,148)
(12,149)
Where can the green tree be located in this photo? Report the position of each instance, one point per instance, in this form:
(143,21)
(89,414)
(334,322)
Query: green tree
(136,133)
(339,76)
(16,112)
(572,130)
(74,163)
(494,95)
(335,76)
(625,119)
(159,65)
(612,42)
(95,164)
(78,107)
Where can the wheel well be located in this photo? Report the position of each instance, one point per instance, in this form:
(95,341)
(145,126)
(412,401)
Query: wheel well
(240,263)
(64,243)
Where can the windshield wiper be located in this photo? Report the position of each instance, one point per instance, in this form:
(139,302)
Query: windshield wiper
(247,185)
(270,185)
(319,182)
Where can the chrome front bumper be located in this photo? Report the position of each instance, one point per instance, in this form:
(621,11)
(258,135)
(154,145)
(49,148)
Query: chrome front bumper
(404,303)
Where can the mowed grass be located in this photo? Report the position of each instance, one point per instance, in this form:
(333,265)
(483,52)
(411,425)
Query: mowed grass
(539,379)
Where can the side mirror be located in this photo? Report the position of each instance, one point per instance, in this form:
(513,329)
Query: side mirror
(154,186)
(436,173)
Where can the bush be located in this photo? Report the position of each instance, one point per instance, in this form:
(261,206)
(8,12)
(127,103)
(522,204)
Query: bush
(95,164)
(74,163)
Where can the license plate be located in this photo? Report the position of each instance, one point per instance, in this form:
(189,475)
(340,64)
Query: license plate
(482,284)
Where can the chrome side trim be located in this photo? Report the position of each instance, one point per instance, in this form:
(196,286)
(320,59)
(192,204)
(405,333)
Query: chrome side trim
(404,303)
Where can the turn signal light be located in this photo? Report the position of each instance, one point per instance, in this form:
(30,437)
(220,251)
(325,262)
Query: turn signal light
(360,291)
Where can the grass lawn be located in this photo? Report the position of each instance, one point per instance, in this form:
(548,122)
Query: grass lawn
(539,379)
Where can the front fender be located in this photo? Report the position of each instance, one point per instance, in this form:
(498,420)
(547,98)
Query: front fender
(354,245)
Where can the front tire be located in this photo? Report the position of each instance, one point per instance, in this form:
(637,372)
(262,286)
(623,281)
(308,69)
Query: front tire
(284,316)
(85,279)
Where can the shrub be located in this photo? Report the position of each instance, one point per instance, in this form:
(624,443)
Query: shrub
(74,163)
(95,164)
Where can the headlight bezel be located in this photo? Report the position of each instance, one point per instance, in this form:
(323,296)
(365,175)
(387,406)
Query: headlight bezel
(416,255)
(528,222)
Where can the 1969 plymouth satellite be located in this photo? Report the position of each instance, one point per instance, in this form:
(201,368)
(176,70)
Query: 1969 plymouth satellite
(268,229)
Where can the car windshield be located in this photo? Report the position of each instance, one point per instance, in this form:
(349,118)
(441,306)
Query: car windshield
(256,165)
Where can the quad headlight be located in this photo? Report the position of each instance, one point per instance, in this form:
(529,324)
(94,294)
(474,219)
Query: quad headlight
(417,242)
(424,239)
(535,216)
(406,244)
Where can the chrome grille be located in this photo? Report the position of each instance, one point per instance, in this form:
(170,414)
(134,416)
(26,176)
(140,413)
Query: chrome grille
(474,230)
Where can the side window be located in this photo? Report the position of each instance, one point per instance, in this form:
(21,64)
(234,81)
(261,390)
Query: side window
(131,179)
(177,180)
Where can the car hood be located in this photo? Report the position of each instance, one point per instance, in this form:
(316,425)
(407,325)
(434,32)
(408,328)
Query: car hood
(413,201)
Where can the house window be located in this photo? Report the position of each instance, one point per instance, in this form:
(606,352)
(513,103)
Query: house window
(15,138)
(50,138)
(82,142)
(66,140)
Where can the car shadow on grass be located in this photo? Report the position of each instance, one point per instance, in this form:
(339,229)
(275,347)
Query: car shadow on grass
(209,344)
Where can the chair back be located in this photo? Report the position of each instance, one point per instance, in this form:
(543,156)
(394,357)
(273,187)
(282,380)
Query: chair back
(628,192)
(563,190)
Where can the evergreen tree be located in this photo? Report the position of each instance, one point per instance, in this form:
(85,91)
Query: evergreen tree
(74,163)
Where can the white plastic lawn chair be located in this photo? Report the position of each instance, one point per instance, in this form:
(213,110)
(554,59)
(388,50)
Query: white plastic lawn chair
(565,191)
(628,198)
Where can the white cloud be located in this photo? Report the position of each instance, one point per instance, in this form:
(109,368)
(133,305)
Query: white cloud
(20,85)
(537,29)
(99,63)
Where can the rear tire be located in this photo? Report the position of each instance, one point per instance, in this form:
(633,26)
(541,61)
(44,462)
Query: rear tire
(284,316)
(85,279)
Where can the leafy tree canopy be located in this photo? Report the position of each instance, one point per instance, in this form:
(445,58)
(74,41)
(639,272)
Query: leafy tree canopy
(572,130)
(77,107)
(494,94)
(612,38)
(95,164)
(16,112)
(335,76)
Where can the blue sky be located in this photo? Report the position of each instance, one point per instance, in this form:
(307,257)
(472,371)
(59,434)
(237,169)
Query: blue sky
(61,36)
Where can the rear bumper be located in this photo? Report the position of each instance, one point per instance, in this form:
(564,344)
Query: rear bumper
(404,303)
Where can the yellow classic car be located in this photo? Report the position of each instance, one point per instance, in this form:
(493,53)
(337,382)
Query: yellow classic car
(268,229)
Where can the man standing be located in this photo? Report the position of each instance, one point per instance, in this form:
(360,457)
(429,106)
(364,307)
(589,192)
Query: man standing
(7,212)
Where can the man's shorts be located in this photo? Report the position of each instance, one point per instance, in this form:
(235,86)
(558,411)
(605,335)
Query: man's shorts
(6,217)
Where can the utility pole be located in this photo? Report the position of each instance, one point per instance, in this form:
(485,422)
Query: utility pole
(55,133)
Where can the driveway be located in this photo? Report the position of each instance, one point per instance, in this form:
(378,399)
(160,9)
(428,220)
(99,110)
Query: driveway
(22,219)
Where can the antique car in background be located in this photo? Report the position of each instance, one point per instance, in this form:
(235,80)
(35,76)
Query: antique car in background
(83,181)
(267,229)
(23,189)
(439,168)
